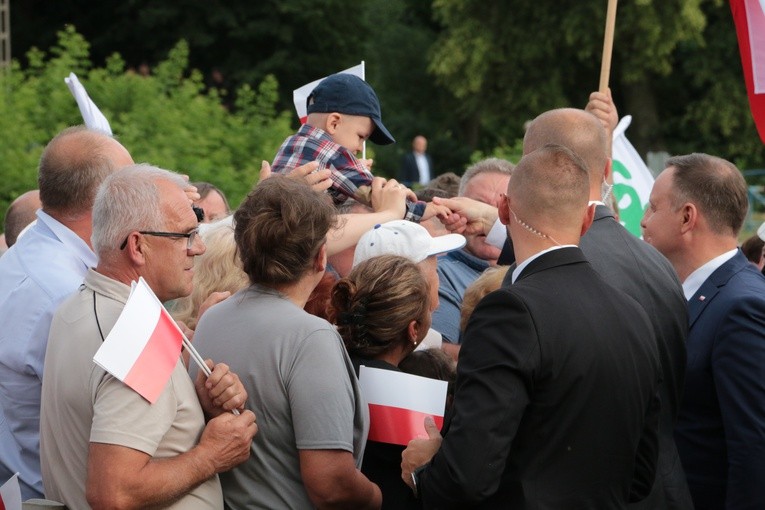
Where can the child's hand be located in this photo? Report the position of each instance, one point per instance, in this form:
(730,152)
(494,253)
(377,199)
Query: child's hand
(432,209)
(367,163)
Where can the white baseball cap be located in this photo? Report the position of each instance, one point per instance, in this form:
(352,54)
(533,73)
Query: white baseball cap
(406,239)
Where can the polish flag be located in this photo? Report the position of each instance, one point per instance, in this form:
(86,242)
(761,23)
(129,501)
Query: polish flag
(399,403)
(10,494)
(143,347)
(749,18)
(300,95)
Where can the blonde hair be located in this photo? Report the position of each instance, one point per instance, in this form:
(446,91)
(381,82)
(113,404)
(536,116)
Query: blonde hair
(218,269)
(489,281)
(373,306)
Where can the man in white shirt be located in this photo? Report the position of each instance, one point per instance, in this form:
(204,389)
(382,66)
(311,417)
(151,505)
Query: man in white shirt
(417,167)
(46,265)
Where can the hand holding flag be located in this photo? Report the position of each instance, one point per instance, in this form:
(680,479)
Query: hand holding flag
(420,451)
(144,346)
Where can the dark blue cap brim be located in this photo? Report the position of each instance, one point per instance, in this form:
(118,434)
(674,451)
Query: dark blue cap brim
(381,135)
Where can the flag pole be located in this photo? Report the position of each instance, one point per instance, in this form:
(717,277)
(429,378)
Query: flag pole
(364,77)
(608,45)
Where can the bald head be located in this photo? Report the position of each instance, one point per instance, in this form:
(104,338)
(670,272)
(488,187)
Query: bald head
(72,167)
(549,190)
(20,214)
(578,130)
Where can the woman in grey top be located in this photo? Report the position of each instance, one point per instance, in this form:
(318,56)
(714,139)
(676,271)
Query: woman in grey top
(312,420)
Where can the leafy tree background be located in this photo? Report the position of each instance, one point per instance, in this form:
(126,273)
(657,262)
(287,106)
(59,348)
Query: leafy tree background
(466,73)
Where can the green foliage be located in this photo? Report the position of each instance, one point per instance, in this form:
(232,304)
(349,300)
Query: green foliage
(166,119)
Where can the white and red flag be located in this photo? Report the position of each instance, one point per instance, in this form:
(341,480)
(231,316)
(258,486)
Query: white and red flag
(300,95)
(10,494)
(749,17)
(399,403)
(143,347)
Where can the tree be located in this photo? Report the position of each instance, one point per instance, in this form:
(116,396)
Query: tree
(509,61)
(165,119)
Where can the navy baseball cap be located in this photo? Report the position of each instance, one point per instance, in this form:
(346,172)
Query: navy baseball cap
(349,94)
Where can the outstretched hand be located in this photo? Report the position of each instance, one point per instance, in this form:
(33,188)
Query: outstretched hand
(468,216)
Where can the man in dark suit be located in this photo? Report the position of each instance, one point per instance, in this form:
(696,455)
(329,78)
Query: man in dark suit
(639,270)
(628,264)
(556,402)
(416,167)
(696,210)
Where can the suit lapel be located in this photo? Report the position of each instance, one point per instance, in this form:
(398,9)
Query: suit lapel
(709,289)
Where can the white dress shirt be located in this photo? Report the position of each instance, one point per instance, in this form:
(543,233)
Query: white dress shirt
(697,278)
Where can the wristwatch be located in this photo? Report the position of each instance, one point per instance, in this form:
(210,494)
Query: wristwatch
(416,479)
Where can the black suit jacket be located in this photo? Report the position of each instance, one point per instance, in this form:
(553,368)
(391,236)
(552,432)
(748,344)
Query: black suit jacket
(638,269)
(556,402)
(409,173)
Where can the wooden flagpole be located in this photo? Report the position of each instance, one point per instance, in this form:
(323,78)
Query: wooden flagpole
(608,45)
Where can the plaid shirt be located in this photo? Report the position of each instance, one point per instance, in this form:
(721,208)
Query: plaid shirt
(349,177)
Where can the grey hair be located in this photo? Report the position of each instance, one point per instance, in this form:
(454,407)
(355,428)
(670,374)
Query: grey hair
(489,165)
(128,200)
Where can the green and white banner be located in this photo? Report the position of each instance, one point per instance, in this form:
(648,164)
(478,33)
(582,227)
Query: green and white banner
(632,179)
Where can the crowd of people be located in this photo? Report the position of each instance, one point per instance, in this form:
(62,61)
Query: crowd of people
(585,367)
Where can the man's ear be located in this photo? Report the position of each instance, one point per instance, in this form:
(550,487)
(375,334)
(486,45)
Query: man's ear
(332,122)
(589,217)
(503,209)
(136,248)
(690,217)
(608,172)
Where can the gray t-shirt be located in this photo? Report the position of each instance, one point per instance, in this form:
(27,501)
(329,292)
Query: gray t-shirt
(301,386)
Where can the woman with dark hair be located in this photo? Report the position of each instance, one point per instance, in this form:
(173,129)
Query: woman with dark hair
(297,374)
(382,311)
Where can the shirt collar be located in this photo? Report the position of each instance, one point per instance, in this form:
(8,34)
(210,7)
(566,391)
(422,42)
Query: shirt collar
(314,132)
(519,269)
(72,241)
(697,278)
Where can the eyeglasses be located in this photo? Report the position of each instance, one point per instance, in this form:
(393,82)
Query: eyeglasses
(190,236)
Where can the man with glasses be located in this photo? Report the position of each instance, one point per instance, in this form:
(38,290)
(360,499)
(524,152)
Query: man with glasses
(46,265)
(102,444)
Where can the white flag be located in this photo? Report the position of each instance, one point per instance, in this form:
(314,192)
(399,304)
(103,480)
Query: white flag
(300,95)
(92,116)
(632,179)
(10,494)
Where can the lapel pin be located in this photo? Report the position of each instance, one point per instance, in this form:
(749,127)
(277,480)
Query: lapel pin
(702,298)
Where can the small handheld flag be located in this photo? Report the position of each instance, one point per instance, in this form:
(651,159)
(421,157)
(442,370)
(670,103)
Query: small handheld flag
(143,347)
(399,403)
